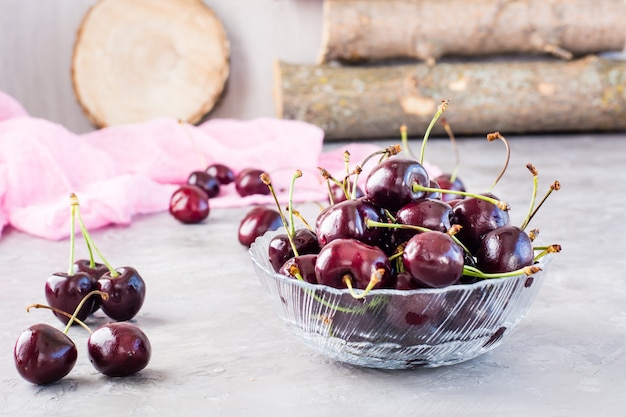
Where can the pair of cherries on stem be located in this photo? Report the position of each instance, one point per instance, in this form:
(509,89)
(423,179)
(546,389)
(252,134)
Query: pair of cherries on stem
(44,354)
(64,291)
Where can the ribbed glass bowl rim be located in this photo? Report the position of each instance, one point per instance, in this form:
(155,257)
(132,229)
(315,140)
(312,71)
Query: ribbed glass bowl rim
(259,248)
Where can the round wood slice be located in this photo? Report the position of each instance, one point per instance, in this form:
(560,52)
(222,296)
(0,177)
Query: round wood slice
(135,60)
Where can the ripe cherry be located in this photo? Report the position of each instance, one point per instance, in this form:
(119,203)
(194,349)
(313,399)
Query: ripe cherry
(280,249)
(44,354)
(349,263)
(445,182)
(390,184)
(347,220)
(433,259)
(221,172)
(206,182)
(248,182)
(429,213)
(303,264)
(126,291)
(505,249)
(64,292)
(189,204)
(259,220)
(119,349)
(477,217)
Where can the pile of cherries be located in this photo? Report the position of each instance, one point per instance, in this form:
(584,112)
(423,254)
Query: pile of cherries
(44,354)
(190,202)
(407,231)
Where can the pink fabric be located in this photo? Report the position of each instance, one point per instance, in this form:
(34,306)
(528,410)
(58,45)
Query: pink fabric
(121,171)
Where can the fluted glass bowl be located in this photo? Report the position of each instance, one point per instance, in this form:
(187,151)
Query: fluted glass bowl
(395,329)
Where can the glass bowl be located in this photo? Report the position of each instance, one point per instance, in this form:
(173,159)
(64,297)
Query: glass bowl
(396,329)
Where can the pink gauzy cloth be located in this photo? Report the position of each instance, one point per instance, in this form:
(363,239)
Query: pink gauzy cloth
(121,171)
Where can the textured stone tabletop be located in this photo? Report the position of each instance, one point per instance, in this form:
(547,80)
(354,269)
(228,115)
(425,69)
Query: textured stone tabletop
(219,350)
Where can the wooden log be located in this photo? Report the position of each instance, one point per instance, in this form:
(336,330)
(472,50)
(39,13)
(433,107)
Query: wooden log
(543,95)
(135,60)
(357,30)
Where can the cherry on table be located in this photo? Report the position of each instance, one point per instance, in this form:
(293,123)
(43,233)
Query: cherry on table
(65,291)
(221,172)
(205,181)
(256,222)
(126,291)
(44,354)
(189,204)
(119,349)
(248,182)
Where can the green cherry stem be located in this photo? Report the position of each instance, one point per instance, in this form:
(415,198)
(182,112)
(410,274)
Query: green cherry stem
(70,270)
(265,177)
(533,198)
(375,278)
(555,186)
(457,157)
(405,142)
(555,248)
(292,226)
(440,109)
(64,313)
(500,204)
(491,137)
(475,272)
(80,305)
(87,236)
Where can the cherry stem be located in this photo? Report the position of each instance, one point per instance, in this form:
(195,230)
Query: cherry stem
(70,270)
(80,305)
(535,174)
(405,142)
(555,186)
(375,278)
(440,109)
(298,174)
(265,177)
(457,157)
(295,271)
(500,204)
(302,219)
(555,248)
(201,156)
(491,137)
(59,311)
(388,151)
(475,272)
(87,236)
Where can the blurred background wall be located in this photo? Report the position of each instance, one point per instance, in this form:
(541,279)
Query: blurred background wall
(37,37)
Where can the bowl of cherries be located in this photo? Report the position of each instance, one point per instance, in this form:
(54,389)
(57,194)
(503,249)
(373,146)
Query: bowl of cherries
(395,276)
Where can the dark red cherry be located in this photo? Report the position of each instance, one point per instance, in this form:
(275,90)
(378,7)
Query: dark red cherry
(44,354)
(248,182)
(435,195)
(224,174)
(433,259)
(429,213)
(64,292)
(476,218)
(205,181)
(119,349)
(505,249)
(189,204)
(390,183)
(259,220)
(126,292)
(354,260)
(445,183)
(305,265)
(347,220)
(280,249)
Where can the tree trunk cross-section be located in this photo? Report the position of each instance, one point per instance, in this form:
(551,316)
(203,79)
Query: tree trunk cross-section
(135,60)
(543,95)
(358,30)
